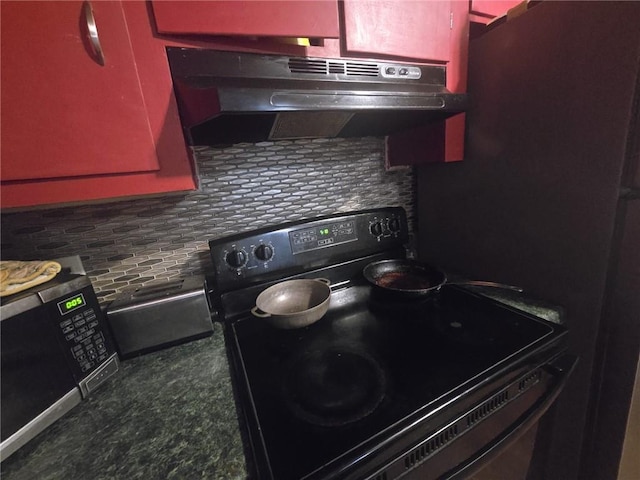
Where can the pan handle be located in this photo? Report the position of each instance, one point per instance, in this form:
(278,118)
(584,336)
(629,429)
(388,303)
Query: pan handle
(482,283)
(259,313)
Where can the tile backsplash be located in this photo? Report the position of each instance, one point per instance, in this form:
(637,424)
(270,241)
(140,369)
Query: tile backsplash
(134,243)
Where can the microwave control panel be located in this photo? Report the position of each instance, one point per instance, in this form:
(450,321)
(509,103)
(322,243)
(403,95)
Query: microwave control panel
(82,330)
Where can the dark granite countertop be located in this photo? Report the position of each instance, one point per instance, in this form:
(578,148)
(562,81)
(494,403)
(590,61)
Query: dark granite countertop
(165,415)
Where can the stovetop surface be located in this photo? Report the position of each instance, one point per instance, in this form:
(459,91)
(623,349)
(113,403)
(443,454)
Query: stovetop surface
(368,365)
(376,374)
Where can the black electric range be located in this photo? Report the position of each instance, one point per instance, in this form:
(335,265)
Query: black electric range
(380,387)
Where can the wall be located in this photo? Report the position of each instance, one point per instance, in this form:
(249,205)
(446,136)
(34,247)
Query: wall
(629,465)
(132,243)
(536,200)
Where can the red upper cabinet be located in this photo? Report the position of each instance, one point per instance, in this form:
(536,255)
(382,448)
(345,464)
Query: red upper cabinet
(64,114)
(284,18)
(78,128)
(417,30)
(485,10)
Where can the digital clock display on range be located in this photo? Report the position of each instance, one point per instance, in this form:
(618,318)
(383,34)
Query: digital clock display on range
(71,303)
(322,236)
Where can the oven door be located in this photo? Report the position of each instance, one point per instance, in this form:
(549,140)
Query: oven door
(497,430)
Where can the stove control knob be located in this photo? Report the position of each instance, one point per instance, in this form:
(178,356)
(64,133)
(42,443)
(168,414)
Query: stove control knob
(263,252)
(376,229)
(236,258)
(394,225)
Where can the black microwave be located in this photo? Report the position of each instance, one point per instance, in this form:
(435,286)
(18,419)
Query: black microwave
(55,351)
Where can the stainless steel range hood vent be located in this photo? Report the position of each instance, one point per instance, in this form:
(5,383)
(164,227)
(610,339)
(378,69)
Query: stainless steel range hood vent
(232,97)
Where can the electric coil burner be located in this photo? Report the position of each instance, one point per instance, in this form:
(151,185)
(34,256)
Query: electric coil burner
(379,388)
(334,386)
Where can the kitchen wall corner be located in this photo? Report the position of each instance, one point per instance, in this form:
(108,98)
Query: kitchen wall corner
(133,243)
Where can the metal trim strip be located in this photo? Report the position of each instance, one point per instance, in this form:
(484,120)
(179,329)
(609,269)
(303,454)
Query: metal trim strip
(40,423)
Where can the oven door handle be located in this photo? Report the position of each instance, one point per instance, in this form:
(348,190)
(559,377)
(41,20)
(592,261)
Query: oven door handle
(561,368)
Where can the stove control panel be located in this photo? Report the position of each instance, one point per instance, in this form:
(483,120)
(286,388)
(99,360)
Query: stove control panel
(236,258)
(276,251)
(385,226)
(263,252)
(323,236)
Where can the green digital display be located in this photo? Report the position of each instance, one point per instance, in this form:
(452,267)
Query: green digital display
(71,303)
(322,236)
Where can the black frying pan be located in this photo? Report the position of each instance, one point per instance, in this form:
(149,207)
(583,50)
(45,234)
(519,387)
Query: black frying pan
(414,279)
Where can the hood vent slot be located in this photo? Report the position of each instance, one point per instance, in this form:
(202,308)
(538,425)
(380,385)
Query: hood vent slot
(337,67)
(362,69)
(308,65)
(316,66)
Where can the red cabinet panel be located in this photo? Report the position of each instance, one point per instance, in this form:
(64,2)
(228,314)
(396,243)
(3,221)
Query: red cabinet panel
(284,18)
(154,140)
(441,141)
(492,8)
(63,114)
(410,29)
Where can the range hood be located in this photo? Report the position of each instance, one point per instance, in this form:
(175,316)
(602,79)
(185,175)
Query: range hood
(231,97)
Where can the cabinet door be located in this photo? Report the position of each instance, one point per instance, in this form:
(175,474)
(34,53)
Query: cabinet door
(166,147)
(441,141)
(409,29)
(492,8)
(64,114)
(284,18)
